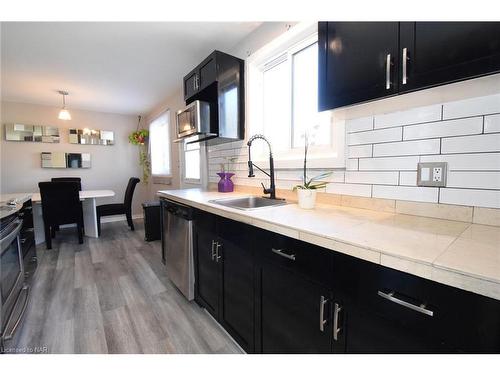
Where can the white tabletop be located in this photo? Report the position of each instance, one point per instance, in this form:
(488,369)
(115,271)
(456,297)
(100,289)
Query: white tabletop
(35,197)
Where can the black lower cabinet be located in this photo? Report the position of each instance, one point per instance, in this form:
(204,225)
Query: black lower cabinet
(207,270)
(237,291)
(291,313)
(225,275)
(275,294)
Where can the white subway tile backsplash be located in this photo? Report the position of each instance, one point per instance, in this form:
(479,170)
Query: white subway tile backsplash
(383,152)
(359,124)
(467,162)
(492,124)
(352,164)
(350,189)
(474,180)
(470,197)
(428,146)
(466,126)
(471,143)
(472,107)
(408,178)
(392,164)
(381,178)
(411,116)
(375,136)
(407,193)
(360,151)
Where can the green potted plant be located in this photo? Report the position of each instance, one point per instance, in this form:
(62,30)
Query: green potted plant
(307,191)
(140,139)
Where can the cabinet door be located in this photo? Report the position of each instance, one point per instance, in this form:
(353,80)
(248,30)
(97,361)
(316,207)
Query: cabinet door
(237,310)
(291,311)
(358,61)
(208,72)
(442,52)
(207,268)
(190,85)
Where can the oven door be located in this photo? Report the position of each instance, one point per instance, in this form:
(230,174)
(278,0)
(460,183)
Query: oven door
(11,273)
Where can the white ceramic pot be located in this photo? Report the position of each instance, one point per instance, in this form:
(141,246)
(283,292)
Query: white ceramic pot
(307,198)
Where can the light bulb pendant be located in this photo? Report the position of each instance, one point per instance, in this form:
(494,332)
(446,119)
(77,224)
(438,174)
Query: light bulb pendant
(64,113)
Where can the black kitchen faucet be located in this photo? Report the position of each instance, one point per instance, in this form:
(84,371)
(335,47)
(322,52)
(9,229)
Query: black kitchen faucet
(272,188)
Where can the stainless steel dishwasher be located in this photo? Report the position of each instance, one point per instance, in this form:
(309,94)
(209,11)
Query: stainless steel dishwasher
(177,245)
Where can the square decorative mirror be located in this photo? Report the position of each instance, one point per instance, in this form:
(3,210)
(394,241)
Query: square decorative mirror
(65,160)
(87,136)
(31,133)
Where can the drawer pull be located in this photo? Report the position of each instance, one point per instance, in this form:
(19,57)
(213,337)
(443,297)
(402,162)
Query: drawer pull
(285,255)
(336,330)
(421,309)
(214,254)
(322,320)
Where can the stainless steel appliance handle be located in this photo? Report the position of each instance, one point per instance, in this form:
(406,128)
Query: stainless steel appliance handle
(405,65)
(322,320)
(9,336)
(421,309)
(388,72)
(5,242)
(336,330)
(285,255)
(217,256)
(214,255)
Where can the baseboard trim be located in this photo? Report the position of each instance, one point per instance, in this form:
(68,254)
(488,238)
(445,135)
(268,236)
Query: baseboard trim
(113,218)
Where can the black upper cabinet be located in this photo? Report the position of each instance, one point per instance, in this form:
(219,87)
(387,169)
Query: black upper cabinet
(219,80)
(443,52)
(357,62)
(361,61)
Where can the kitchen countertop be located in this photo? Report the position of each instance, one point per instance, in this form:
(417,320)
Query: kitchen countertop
(7,210)
(463,255)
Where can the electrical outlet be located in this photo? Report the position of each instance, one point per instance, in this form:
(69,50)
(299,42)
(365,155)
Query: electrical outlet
(432,174)
(437,174)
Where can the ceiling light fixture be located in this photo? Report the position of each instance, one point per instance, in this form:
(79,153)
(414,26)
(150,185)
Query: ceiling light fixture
(64,113)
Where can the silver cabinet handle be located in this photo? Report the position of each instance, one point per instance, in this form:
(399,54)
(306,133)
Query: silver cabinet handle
(214,255)
(405,64)
(217,256)
(285,255)
(322,320)
(8,336)
(336,330)
(421,309)
(388,71)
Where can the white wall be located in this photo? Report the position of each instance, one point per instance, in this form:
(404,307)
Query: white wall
(112,166)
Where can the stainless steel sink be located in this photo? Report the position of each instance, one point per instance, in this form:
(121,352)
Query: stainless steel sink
(249,203)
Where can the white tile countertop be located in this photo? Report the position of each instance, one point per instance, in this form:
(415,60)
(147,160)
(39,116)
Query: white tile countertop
(454,253)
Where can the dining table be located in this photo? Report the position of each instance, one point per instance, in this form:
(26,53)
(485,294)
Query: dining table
(88,198)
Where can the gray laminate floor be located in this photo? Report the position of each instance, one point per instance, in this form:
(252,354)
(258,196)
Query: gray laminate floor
(112,295)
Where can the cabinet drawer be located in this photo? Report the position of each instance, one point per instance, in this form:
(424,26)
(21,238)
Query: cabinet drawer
(311,261)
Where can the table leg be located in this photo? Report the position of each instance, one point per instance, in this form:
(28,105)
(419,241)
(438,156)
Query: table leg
(90,217)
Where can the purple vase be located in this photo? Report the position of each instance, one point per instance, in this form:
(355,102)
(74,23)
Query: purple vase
(225,184)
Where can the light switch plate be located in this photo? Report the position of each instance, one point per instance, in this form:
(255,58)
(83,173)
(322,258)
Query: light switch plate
(432,174)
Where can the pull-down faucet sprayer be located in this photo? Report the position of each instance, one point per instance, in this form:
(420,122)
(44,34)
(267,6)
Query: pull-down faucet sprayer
(272,189)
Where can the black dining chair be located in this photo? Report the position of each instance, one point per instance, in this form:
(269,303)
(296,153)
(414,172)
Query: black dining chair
(60,205)
(68,179)
(124,208)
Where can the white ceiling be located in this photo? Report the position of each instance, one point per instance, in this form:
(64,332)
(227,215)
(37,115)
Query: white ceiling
(119,67)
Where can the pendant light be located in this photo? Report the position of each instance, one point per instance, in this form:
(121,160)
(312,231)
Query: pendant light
(64,113)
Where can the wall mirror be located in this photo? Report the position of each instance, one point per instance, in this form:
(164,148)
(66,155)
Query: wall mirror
(31,133)
(91,137)
(65,160)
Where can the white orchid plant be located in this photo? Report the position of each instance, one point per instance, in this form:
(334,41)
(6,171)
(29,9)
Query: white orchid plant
(316,182)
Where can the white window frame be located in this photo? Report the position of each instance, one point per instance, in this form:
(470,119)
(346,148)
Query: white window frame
(294,40)
(165,113)
(191,181)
